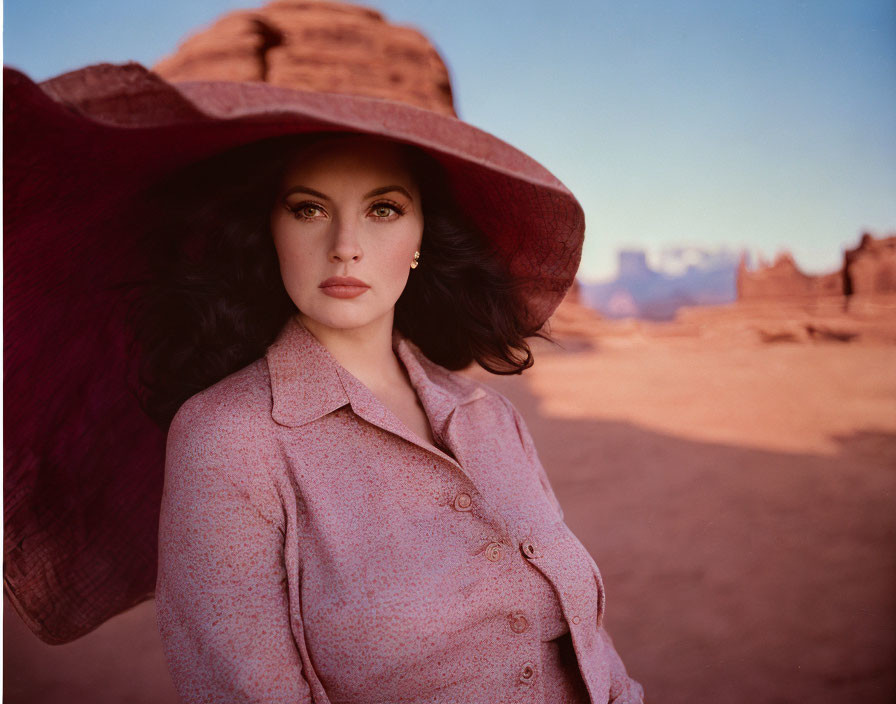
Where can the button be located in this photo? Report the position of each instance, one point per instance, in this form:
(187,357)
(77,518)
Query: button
(527,673)
(494,552)
(529,548)
(462,502)
(518,622)
(576,619)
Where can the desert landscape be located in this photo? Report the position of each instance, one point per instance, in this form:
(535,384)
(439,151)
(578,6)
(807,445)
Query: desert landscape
(732,470)
(735,487)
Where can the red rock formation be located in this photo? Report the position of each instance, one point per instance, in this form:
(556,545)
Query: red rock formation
(316,45)
(829,284)
(782,280)
(870,268)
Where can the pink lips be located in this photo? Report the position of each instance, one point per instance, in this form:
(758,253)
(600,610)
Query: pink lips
(343,287)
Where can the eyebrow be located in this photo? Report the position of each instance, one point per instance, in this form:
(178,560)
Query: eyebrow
(375,192)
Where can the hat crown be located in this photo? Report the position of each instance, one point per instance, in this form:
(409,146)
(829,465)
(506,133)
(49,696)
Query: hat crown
(316,45)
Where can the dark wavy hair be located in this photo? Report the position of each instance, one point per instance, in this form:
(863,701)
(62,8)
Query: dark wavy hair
(214,299)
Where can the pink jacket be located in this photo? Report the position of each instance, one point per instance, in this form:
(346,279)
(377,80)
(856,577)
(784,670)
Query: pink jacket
(314,549)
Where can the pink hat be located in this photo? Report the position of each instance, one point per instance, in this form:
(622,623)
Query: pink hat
(84,464)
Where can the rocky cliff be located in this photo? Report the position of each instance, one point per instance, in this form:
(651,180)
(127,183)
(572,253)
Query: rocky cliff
(868,269)
(316,45)
(783,279)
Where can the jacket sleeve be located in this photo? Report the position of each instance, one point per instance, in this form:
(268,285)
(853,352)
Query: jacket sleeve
(221,599)
(623,689)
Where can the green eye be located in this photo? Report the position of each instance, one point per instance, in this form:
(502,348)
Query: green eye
(384,209)
(304,211)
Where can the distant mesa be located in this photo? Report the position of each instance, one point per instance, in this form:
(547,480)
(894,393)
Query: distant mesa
(688,277)
(783,279)
(781,304)
(319,46)
(684,276)
(867,270)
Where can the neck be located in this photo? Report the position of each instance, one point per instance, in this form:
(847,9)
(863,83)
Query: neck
(365,352)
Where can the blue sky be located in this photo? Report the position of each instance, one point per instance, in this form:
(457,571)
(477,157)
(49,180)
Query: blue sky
(763,125)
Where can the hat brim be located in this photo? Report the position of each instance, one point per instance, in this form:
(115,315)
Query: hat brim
(83,464)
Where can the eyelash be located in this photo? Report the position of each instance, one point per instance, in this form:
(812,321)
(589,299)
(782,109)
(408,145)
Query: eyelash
(297,209)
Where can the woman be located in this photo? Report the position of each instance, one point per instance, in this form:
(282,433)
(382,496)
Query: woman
(343,518)
(347,520)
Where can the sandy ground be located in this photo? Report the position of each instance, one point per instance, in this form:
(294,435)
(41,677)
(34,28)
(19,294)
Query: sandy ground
(739,498)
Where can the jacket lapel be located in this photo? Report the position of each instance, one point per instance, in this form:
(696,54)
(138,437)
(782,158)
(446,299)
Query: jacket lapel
(307,383)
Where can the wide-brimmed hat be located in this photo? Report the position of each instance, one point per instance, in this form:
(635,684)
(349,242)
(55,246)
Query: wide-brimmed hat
(83,462)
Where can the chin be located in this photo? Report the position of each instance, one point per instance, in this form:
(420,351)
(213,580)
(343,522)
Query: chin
(344,319)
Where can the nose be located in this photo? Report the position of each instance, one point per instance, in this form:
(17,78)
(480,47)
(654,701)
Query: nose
(345,245)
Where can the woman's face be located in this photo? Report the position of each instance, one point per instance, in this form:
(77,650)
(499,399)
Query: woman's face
(347,207)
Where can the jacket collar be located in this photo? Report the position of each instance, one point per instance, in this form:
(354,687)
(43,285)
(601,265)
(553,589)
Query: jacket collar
(307,383)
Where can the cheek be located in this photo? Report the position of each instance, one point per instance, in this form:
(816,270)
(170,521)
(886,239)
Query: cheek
(400,255)
(295,259)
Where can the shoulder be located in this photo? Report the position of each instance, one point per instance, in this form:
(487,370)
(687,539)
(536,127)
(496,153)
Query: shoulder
(226,430)
(236,405)
(239,400)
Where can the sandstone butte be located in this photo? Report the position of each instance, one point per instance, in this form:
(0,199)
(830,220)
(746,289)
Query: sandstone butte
(779,303)
(776,302)
(867,270)
(319,46)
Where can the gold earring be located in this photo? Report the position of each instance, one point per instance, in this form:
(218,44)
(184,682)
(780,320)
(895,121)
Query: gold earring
(416,260)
